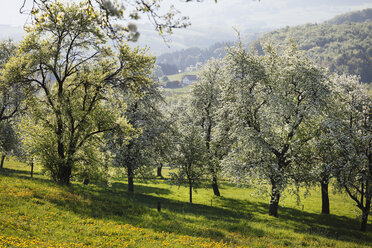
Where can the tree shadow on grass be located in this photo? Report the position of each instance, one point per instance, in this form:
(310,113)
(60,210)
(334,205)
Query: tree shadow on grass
(329,226)
(231,215)
(140,210)
(141,189)
(23,174)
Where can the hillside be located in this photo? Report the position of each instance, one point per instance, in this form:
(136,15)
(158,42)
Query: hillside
(354,16)
(342,44)
(34,212)
(343,47)
(186,58)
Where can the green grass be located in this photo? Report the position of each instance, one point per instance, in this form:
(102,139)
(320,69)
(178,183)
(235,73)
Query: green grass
(37,213)
(178,94)
(178,77)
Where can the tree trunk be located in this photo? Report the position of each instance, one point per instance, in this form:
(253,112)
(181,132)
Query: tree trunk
(64,175)
(365,214)
(190,192)
(130,180)
(216,191)
(325,198)
(32,169)
(274,201)
(2,161)
(160,166)
(363,226)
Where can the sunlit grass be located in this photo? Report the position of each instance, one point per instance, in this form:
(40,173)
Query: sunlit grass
(177,94)
(37,213)
(178,77)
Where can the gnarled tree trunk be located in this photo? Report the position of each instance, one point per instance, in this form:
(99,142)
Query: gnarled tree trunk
(64,175)
(366,209)
(274,201)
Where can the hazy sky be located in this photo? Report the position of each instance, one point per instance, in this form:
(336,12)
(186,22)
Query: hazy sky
(238,13)
(217,20)
(249,16)
(265,13)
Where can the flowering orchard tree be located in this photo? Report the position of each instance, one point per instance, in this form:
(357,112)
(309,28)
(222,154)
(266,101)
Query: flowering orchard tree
(139,153)
(11,93)
(11,96)
(67,57)
(315,163)
(351,130)
(205,103)
(272,102)
(190,155)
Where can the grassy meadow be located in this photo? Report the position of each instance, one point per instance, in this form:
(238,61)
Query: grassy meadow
(35,212)
(177,94)
(178,77)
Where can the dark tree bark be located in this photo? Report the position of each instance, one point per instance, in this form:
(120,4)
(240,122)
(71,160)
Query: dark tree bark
(365,214)
(274,201)
(190,192)
(216,191)
(325,198)
(362,195)
(130,179)
(364,203)
(160,166)
(32,169)
(207,124)
(2,161)
(65,168)
(276,181)
(64,175)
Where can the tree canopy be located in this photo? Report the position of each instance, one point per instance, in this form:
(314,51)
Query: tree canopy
(271,102)
(67,58)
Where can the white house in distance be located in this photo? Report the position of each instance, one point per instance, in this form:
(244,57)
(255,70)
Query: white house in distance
(189,79)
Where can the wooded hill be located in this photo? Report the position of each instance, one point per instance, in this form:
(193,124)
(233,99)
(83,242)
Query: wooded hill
(191,57)
(342,44)
(170,63)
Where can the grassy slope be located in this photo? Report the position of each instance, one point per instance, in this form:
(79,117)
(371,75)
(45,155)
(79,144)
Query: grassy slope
(176,94)
(178,77)
(37,213)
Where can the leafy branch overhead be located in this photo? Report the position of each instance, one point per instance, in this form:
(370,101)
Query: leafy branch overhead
(117,18)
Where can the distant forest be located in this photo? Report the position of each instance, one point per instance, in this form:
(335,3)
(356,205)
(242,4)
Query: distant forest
(190,58)
(342,44)
(170,63)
